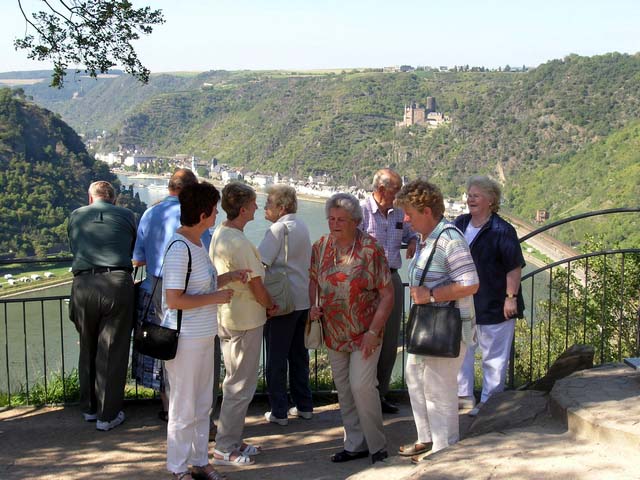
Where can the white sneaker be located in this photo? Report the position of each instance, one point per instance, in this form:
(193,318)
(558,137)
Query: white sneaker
(474,412)
(294,412)
(466,403)
(269,417)
(90,417)
(105,426)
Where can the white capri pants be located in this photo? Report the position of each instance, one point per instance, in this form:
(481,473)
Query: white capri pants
(432,386)
(495,346)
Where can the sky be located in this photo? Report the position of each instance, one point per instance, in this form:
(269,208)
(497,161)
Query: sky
(326,34)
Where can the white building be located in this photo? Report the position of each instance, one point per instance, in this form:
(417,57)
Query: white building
(229,175)
(135,160)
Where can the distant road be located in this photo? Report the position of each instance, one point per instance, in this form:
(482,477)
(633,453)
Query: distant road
(543,242)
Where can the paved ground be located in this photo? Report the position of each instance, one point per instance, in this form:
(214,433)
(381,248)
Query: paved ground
(515,437)
(54,443)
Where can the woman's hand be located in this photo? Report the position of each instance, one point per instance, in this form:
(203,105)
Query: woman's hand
(222,296)
(234,276)
(370,343)
(510,307)
(420,294)
(273,310)
(315,313)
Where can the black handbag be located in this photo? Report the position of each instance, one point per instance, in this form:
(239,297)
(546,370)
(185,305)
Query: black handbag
(155,340)
(433,330)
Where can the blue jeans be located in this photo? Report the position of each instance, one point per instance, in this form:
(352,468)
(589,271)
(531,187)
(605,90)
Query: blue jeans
(284,336)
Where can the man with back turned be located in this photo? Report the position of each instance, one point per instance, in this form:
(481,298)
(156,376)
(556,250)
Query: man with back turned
(101,237)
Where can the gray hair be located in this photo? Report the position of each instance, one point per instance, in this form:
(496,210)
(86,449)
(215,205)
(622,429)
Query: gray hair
(102,190)
(385,177)
(347,202)
(283,196)
(489,187)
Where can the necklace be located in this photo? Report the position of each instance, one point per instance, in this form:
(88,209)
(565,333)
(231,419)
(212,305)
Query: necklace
(482,223)
(335,255)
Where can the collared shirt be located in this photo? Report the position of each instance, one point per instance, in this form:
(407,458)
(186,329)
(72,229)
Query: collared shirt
(390,231)
(101,235)
(496,251)
(349,290)
(451,263)
(156,227)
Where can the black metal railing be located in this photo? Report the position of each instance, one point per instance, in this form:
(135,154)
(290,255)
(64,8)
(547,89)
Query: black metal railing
(592,299)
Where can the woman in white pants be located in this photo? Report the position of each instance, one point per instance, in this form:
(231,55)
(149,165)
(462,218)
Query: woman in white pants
(498,257)
(191,286)
(451,275)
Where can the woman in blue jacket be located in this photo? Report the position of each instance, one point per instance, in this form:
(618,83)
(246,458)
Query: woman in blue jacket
(498,257)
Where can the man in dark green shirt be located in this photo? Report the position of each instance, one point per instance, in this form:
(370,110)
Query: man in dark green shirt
(101,237)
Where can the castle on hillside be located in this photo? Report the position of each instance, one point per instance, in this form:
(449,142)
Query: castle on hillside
(416,114)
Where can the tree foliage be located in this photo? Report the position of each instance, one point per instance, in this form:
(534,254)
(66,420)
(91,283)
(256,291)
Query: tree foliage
(96,34)
(45,171)
(595,303)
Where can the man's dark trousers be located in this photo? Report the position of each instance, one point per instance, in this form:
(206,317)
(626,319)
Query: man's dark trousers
(389,350)
(102,311)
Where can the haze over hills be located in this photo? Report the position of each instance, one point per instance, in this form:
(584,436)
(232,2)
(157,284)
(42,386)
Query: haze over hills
(539,132)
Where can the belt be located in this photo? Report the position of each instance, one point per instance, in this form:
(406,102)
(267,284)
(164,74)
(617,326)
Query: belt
(98,270)
(393,270)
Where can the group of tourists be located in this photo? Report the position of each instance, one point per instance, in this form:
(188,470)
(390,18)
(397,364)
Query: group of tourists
(213,286)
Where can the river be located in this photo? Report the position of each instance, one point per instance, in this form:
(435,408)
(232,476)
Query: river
(29,329)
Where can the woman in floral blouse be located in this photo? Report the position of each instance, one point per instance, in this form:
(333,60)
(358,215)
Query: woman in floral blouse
(350,273)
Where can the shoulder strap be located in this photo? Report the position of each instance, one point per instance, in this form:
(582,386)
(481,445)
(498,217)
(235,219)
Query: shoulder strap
(286,243)
(322,251)
(186,281)
(433,251)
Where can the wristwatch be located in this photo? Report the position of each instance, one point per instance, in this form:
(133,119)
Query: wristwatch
(511,295)
(432,299)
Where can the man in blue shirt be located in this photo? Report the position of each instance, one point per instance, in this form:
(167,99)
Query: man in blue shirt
(156,227)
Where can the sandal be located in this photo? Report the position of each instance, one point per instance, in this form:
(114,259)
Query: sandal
(345,456)
(239,461)
(181,475)
(249,450)
(201,473)
(415,449)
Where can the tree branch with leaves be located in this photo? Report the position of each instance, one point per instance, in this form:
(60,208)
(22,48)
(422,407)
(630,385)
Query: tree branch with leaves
(94,34)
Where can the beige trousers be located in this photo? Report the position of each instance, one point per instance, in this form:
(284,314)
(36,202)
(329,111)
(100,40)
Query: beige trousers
(356,381)
(241,354)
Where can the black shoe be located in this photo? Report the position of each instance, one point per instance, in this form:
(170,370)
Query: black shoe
(345,456)
(388,407)
(379,456)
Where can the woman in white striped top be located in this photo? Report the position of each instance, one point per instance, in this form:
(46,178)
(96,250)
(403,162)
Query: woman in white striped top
(190,373)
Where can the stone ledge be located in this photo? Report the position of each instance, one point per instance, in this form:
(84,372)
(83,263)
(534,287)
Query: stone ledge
(601,404)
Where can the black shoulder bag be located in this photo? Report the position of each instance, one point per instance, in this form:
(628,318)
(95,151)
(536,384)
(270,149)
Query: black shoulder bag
(432,330)
(155,340)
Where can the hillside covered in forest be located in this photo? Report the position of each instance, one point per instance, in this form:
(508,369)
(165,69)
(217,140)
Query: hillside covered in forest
(45,171)
(538,132)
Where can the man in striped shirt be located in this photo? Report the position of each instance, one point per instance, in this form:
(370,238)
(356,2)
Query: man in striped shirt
(386,224)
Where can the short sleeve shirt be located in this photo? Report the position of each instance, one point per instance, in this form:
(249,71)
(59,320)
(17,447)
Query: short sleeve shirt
(231,250)
(197,322)
(349,293)
(451,263)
